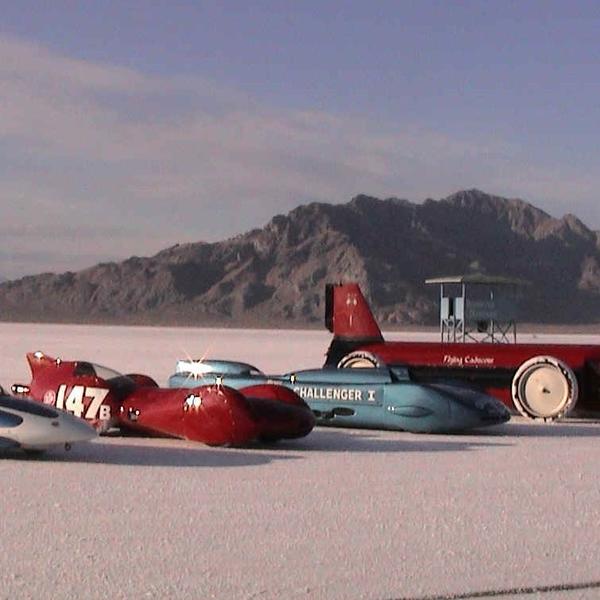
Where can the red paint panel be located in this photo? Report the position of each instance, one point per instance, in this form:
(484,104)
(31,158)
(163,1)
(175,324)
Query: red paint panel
(479,356)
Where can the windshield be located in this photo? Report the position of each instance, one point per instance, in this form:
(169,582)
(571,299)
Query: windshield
(87,368)
(106,372)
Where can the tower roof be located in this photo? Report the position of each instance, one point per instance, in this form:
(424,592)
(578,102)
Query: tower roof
(477,279)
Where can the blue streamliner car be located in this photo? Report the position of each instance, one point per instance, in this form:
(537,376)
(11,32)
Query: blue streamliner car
(378,398)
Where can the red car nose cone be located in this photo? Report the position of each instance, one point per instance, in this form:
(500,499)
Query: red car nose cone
(217,416)
(279,412)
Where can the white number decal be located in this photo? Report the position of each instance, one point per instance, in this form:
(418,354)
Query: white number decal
(74,402)
(60,397)
(104,412)
(97,395)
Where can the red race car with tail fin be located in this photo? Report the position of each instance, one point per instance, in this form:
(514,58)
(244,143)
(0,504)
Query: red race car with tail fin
(212,414)
(541,381)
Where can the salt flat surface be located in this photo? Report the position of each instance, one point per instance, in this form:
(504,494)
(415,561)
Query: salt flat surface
(340,514)
(154,350)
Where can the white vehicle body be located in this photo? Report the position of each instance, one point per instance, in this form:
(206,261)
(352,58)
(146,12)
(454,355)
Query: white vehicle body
(32,426)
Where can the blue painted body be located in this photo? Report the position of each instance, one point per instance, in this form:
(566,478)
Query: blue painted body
(379,398)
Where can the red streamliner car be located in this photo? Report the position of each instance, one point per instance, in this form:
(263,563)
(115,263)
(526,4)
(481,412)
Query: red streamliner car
(212,414)
(541,381)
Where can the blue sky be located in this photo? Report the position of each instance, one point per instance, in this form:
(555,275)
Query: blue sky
(126,127)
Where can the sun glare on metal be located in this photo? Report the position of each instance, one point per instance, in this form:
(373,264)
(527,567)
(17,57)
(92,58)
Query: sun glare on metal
(194,368)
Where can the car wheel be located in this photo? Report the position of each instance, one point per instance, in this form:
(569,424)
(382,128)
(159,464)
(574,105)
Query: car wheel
(544,388)
(359,360)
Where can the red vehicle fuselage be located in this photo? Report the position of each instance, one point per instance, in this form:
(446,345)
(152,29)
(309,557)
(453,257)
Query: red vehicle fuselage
(490,367)
(212,414)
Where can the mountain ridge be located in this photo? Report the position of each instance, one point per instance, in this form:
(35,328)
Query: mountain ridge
(277,274)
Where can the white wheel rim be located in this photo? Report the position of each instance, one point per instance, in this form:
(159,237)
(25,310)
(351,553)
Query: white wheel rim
(359,363)
(545,390)
(358,360)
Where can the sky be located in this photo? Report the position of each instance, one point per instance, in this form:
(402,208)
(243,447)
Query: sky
(129,126)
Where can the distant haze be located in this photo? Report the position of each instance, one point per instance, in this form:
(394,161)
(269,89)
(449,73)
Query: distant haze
(129,127)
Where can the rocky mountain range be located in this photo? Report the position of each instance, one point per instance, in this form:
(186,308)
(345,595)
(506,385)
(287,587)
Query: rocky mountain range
(277,274)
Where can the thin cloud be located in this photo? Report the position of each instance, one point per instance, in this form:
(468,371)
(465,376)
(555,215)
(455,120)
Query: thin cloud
(24,60)
(110,162)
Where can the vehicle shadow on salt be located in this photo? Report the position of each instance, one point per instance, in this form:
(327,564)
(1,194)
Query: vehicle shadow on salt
(168,453)
(568,429)
(366,440)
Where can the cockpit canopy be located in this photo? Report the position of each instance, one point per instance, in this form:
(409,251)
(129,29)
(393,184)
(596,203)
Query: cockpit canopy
(88,369)
(199,368)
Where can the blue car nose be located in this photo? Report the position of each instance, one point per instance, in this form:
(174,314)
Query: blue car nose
(472,406)
(494,411)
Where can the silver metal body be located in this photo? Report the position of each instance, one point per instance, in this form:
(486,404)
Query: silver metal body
(32,426)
